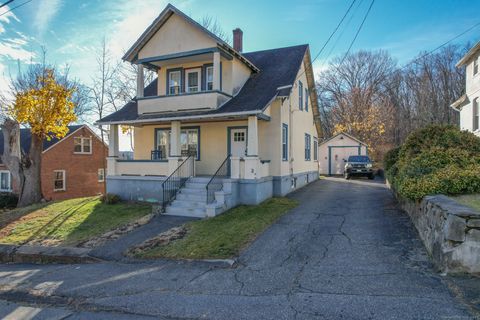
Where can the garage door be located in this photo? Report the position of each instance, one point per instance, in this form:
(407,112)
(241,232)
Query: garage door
(338,155)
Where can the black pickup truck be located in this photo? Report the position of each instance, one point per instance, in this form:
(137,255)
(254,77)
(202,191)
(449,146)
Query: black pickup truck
(359,166)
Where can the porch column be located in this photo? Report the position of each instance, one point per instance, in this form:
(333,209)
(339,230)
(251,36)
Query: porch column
(216,71)
(140,81)
(113,141)
(112,150)
(175,146)
(252,141)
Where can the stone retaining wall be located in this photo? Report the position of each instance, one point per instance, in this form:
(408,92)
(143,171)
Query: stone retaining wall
(450,232)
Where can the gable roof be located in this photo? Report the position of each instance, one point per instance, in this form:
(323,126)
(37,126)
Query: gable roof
(278,71)
(26,138)
(169,10)
(469,55)
(344,134)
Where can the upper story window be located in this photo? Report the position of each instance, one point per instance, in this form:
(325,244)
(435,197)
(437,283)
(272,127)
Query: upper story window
(284,142)
(193,80)
(209,78)
(300,95)
(82,145)
(174,82)
(475,66)
(476,114)
(306,99)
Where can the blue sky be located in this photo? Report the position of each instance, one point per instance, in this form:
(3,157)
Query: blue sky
(71,30)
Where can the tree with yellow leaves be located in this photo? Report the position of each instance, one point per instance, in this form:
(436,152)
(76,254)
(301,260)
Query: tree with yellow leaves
(46,106)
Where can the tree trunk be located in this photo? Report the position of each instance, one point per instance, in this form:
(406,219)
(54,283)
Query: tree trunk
(32,191)
(12,153)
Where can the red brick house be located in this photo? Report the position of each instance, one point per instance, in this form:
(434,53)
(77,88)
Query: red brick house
(72,167)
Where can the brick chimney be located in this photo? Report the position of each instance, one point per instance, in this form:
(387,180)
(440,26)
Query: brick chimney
(238,39)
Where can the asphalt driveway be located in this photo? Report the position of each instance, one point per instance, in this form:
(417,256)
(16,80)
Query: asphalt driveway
(346,252)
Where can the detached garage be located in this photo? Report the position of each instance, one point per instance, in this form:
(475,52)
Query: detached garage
(334,151)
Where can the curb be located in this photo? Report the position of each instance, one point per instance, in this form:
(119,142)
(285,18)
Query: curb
(42,255)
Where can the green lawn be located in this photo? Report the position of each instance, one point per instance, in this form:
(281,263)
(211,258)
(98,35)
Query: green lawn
(225,235)
(66,222)
(471,200)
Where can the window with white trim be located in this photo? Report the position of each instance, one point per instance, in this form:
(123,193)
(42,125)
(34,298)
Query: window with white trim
(59,180)
(5,181)
(101,175)
(193,80)
(476,114)
(82,145)
(209,78)
(284,142)
(174,82)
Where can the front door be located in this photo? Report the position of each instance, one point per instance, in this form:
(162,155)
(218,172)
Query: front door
(238,142)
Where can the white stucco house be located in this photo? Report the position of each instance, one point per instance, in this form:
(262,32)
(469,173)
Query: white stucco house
(468,104)
(218,127)
(334,151)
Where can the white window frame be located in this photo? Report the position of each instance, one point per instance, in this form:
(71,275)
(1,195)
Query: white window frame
(475,115)
(82,145)
(170,86)
(206,78)
(64,175)
(101,173)
(198,71)
(9,181)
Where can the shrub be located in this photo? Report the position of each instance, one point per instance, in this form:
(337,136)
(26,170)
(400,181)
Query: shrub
(110,198)
(8,200)
(433,160)
(390,158)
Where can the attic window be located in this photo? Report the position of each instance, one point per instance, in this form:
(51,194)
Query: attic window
(82,145)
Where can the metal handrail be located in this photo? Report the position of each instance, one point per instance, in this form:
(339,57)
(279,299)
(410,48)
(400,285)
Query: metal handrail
(177,179)
(213,187)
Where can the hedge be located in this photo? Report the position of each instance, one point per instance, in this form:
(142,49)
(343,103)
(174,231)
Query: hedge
(436,159)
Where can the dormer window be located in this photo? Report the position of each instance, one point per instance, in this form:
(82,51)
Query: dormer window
(82,145)
(193,80)
(174,82)
(475,66)
(209,78)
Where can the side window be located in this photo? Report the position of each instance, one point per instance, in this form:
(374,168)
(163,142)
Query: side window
(306,99)
(300,95)
(315,149)
(59,180)
(5,181)
(475,66)
(308,143)
(101,175)
(476,114)
(284,142)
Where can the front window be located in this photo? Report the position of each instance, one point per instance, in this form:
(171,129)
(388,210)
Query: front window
(189,141)
(193,80)
(476,115)
(209,78)
(101,175)
(285,142)
(174,82)
(82,144)
(5,181)
(475,66)
(59,180)
(308,143)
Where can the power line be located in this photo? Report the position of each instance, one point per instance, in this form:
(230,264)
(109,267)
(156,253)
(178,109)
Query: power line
(358,32)
(3,5)
(329,38)
(22,4)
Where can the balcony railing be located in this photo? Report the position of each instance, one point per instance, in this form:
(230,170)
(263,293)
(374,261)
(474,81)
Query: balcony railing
(184,101)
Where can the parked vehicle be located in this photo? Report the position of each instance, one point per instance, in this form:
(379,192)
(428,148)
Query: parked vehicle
(359,166)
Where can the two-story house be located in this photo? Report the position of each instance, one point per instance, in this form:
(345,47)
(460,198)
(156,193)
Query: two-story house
(218,127)
(72,167)
(468,104)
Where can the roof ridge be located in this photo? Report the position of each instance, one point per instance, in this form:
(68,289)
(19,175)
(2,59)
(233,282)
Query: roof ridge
(281,48)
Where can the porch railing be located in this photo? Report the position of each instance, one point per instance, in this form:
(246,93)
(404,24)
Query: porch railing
(215,184)
(177,179)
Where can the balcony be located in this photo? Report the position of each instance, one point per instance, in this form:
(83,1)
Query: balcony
(185,101)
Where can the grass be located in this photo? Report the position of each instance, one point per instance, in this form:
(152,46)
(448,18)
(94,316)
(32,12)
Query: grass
(67,222)
(225,235)
(471,200)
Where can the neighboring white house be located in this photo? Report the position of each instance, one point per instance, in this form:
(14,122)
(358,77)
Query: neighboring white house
(334,151)
(218,127)
(468,104)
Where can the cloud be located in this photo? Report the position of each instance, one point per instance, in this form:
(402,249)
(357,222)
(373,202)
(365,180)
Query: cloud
(45,12)
(6,17)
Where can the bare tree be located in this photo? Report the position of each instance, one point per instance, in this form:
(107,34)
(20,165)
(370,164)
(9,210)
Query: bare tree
(212,25)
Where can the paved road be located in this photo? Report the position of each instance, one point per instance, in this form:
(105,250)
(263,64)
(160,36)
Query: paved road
(346,252)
